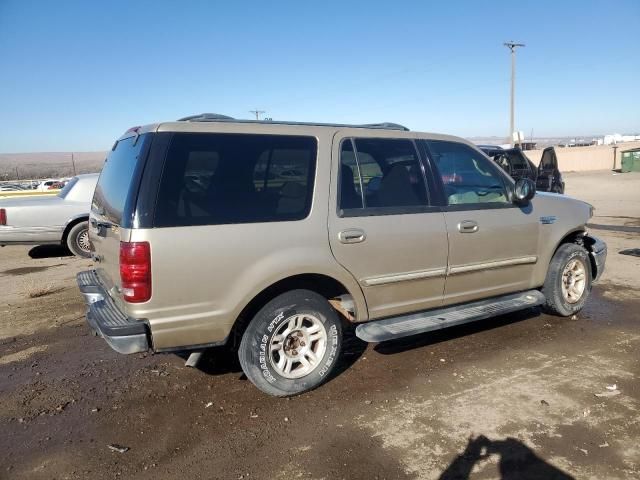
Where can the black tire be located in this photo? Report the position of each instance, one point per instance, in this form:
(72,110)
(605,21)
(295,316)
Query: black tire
(254,353)
(557,302)
(76,239)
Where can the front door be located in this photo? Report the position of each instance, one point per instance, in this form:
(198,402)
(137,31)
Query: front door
(382,225)
(492,242)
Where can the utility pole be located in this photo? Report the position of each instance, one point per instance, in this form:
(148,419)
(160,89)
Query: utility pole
(257,113)
(512,46)
(73,163)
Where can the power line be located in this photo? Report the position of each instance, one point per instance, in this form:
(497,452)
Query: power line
(512,46)
(257,113)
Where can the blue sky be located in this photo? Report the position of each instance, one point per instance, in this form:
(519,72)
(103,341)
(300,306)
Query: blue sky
(75,74)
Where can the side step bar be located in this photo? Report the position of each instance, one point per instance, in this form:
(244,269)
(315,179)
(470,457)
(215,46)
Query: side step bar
(415,323)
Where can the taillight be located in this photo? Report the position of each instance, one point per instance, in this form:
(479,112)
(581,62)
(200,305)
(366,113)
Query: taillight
(3,216)
(135,271)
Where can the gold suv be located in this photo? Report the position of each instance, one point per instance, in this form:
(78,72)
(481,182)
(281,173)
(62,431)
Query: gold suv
(274,237)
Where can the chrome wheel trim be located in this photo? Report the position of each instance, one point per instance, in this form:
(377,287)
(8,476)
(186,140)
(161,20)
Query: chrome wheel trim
(82,240)
(574,281)
(298,346)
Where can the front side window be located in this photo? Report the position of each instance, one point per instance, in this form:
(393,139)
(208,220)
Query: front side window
(379,174)
(211,179)
(468,176)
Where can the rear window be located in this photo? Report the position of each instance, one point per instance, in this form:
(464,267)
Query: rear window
(518,160)
(114,185)
(67,188)
(211,179)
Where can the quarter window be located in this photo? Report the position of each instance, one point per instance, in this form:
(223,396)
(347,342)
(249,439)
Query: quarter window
(468,176)
(213,179)
(380,175)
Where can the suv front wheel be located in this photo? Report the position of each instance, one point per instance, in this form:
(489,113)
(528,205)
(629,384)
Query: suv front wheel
(568,281)
(292,344)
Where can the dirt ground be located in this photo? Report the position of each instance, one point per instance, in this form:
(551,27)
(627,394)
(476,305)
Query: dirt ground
(511,397)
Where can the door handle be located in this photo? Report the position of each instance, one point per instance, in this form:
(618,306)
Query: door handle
(353,235)
(468,226)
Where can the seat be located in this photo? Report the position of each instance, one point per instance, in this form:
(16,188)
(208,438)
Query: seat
(396,189)
(292,198)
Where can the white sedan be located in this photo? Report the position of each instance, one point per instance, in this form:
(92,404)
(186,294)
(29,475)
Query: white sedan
(60,219)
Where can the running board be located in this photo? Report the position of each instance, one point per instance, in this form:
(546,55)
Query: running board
(415,323)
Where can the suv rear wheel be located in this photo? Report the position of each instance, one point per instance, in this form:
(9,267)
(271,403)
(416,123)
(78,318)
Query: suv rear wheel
(568,281)
(292,344)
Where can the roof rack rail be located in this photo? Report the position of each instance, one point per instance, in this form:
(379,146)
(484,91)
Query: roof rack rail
(386,125)
(216,117)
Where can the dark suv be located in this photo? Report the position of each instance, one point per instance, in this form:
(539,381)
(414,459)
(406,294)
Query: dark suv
(513,161)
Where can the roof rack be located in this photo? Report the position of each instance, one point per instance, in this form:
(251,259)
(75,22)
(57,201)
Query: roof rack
(216,117)
(205,117)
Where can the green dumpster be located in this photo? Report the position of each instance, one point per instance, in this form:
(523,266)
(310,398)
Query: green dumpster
(630,160)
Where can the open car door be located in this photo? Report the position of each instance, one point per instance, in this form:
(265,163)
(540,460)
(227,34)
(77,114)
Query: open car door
(549,178)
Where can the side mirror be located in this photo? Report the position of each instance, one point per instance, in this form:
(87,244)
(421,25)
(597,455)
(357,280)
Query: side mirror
(523,191)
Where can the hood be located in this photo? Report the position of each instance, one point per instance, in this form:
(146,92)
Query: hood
(563,206)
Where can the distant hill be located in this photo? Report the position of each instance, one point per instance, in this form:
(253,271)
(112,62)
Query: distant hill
(48,164)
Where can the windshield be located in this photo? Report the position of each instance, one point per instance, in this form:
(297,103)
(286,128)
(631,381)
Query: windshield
(67,188)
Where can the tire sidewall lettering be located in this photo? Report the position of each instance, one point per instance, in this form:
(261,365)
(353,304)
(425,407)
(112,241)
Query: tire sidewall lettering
(263,346)
(332,348)
(265,336)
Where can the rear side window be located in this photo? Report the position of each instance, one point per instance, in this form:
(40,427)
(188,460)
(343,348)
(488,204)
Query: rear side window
(380,175)
(211,179)
(114,185)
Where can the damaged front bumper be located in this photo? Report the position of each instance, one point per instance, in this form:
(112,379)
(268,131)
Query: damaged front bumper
(598,254)
(122,333)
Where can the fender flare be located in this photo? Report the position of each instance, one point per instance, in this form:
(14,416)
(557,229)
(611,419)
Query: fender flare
(71,222)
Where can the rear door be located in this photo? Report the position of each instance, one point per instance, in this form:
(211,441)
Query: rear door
(492,242)
(383,225)
(110,217)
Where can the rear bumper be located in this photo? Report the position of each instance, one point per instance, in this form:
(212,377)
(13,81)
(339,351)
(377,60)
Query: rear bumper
(122,333)
(598,253)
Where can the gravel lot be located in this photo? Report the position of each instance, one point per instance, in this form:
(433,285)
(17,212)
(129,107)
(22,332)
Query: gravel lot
(510,397)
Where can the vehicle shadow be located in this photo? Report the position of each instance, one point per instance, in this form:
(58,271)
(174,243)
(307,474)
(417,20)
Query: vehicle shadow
(614,228)
(431,338)
(516,461)
(216,361)
(49,251)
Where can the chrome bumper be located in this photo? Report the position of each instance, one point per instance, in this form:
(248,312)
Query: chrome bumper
(122,333)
